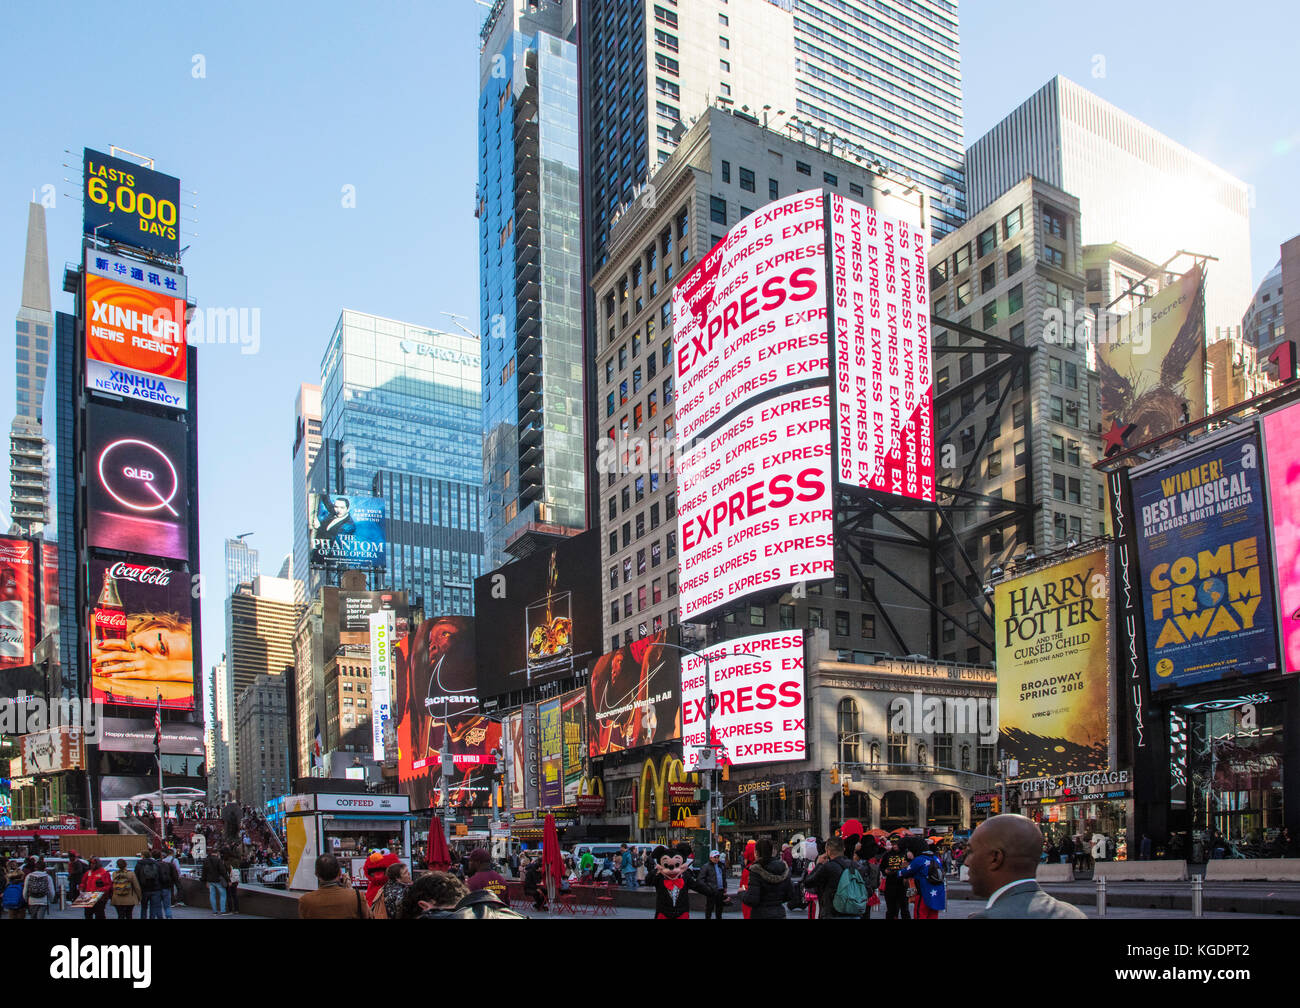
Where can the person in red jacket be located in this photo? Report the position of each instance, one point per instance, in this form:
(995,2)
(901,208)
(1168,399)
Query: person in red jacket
(97,879)
(750,857)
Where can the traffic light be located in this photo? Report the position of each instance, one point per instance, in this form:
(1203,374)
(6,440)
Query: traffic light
(726,771)
(844,788)
(783,792)
(835,775)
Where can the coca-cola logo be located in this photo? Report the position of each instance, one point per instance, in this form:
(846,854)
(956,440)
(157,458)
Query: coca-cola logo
(110,618)
(141,575)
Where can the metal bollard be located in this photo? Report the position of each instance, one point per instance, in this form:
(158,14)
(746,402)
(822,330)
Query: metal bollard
(1101,897)
(1198,896)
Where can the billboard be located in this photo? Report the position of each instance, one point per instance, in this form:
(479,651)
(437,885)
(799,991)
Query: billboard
(761,710)
(1152,366)
(53,751)
(135,339)
(1282,450)
(436,699)
(1203,551)
(884,399)
(125,735)
(550,741)
(49,587)
(126,202)
(356,608)
(18,627)
(137,494)
(573,724)
(346,531)
(512,738)
(1053,661)
(544,611)
(634,697)
(755,506)
(383,631)
(750,317)
(141,643)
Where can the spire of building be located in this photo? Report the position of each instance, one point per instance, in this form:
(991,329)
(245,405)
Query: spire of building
(36,264)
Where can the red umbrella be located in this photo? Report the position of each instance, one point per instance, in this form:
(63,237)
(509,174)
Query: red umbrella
(552,860)
(438,857)
(851,827)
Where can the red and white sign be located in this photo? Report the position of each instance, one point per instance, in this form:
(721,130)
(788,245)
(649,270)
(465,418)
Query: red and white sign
(884,402)
(756,503)
(760,712)
(750,317)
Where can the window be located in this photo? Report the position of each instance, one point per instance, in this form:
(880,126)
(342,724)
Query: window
(1054,370)
(1015,299)
(666,40)
(613,577)
(1018,334)
(987,240)
(1073,493)
(1054,257)
(773,190)
(989,277)
(627,569)
(841,623)
(666,65)
(841,586)
(1071,375)
(723,43)
(848,725)
(609,405)
(963,294)
(803,168)
(1011,223)
(995,464)
(1014,262)
(855,189)
(961,260)
(1053,221)
(991,314)
(1057,409)
(1072,453)
(868,626)
(717,210)
(640,488)
(814,618)
(830,179)
(724,66)
(657,590)
(1058,486)
(665,17)
(896,752)
(747,180)
(757,616)
(656,557)
(1019,453)
(726,171)
(1058,448)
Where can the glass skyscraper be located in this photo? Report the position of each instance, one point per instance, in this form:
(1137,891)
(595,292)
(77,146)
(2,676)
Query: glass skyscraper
(397,400)
(531,294)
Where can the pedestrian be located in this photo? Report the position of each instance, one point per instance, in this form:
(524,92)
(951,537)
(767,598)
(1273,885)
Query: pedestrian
(837,896)
(149,876)
(716,874)
(481,875)
(1067,851)
(76,871)
(333,898)
(433,896)
(126,891)
(215,876)
(1145,850)
(14,906)
(533,883)
(233,876)
(588,865)
(926,871)
(787,855)
(388,903)
(38,888)
(1003,859)
(97,880)
(627,869)
(770,887)
(892,863)
(750,855)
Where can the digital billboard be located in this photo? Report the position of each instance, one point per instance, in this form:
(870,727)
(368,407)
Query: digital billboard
(760,710)
(141,642)
(435,697)
(634,697)
(755,507)
(356,608)
(135,339)
(550,741)
(573,727)
(1152,366)
(126,202)
(1203,551)
(884,402)
(137,491)
(544,611)
(49,587)
(347,531)
(1054,666)
(18,623)
(1282,449)
(512,739)
(383,632)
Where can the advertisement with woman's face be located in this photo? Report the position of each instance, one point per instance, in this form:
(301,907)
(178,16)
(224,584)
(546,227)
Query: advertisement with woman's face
(634,697)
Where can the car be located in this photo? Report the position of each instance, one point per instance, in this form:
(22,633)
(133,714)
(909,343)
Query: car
(274,876)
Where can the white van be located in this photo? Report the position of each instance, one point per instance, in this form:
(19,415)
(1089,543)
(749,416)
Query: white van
(598,850)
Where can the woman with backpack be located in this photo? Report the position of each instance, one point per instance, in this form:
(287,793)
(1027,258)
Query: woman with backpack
(769,888)
(14,907)
(37,891)
(126,891)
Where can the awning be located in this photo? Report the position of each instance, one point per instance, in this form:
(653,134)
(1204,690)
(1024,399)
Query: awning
(353,824)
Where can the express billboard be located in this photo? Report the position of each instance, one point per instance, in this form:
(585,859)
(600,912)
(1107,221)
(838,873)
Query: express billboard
(17,602)
(545,617)
(634,697)
(1282,449)
(137,486)
(129,203)
(347,531)
(141,642)
(135,333)
(884,400)
(760,710)
(1054,666)
(1203,550)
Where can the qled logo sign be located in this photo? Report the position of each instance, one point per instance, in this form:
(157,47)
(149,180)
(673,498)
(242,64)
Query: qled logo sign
(137,500)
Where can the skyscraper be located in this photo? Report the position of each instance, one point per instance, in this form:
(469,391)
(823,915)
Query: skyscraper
(29,489)
(402,401)
(306,443)
(530,264)
(1134,185)
(262,731)
(241,564)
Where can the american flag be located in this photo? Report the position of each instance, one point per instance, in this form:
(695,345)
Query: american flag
(317,746)
(157,728)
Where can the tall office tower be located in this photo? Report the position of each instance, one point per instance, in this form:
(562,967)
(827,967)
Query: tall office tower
(723,168)
(263,615)
(242,564)
(878,83)
(1264,324)
(1134,185)
(400,398)
(262,731)
(306,444)
(1005,272)
(528,206)
(29,490)
(214,746)
(225,753)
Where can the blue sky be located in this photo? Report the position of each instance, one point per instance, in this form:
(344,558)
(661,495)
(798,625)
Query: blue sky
(298,101)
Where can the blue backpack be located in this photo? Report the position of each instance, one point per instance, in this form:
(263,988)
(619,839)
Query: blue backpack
(13,897)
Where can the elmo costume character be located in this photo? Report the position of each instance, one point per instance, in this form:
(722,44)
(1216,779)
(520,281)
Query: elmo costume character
(377,872)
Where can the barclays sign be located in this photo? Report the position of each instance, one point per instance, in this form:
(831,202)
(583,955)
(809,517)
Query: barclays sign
(440,353)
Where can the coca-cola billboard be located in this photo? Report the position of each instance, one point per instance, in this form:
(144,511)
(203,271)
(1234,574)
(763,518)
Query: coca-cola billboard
(141,646)
(17,602)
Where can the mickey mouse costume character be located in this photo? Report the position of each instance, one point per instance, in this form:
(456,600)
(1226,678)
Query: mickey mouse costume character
(672,878)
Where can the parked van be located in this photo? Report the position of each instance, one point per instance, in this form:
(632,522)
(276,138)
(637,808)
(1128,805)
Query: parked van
(598,850)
